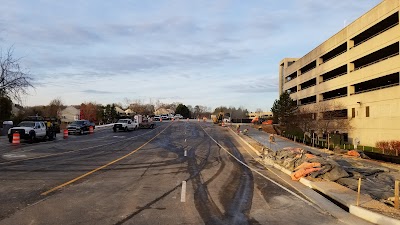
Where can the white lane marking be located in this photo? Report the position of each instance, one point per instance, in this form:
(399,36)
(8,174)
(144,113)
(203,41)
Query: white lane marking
(185,154)
(13,156)
(183,192)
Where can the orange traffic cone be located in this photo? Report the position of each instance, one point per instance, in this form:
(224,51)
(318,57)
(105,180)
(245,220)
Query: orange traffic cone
(16,138)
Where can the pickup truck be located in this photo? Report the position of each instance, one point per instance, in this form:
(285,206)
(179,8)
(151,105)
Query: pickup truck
(32,131)
(80,126)
(125,125)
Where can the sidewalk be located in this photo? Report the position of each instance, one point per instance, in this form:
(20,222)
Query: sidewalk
(369,209)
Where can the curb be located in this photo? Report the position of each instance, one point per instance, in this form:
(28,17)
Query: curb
(360,212)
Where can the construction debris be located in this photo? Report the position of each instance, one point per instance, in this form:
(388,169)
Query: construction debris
(377,182)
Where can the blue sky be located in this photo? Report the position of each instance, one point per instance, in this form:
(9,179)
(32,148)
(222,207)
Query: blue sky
(209,53)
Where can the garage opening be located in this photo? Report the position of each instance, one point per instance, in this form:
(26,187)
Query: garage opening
(308,84)
(293,89)
(334,73)
(377,83)
(308,100)
(291,76)
(335,52)
(308,67)
(377,29)
(375,57)
(338,93)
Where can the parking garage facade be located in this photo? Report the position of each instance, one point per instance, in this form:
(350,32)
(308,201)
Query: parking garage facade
(359,68)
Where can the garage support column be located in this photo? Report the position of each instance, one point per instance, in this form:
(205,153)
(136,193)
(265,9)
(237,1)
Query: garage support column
(351,90)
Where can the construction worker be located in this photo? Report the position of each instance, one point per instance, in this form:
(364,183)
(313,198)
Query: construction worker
(271,138)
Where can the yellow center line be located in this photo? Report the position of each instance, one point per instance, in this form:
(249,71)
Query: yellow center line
(101,167)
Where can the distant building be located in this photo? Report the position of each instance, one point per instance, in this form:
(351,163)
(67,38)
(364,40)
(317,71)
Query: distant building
(120,111)
(70,114)
(129,112)
(359,68)
(263,115)
(163,111)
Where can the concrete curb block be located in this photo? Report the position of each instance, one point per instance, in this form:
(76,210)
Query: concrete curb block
(372,217)
(362,213)
(306,182)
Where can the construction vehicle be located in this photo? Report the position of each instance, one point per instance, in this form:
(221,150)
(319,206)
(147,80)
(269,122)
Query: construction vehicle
(221,118)
(33,128)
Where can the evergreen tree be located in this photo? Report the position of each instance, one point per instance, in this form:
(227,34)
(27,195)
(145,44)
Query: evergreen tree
(284,109)
(183,110)
(5,108)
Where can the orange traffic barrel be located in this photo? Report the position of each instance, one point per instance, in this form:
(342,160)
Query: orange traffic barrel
(160,119)
(187,119)
(91,130)
(16,138)
(198,119)
(65,133)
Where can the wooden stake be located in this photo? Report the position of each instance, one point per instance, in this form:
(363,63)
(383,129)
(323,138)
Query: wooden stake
(359,190)
(396,194)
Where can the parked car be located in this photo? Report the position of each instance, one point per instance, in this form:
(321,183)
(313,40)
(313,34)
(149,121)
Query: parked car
(79,127)
(178,116)
(165,117)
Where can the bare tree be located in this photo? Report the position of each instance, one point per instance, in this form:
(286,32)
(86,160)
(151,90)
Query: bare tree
(305,118)
(55,107)
(13,81)
(331,117)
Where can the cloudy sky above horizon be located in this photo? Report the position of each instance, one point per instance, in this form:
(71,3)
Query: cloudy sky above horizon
(203,52)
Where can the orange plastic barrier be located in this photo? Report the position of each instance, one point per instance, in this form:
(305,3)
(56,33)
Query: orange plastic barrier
(353,153)
(16,138)
(302,173)
(310,156)
(307,165)
(65,133)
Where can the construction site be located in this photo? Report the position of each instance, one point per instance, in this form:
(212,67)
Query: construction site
(348,178)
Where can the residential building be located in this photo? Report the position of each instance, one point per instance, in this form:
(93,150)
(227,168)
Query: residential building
(70,114)
(358,69)
(120,111)
(164,111)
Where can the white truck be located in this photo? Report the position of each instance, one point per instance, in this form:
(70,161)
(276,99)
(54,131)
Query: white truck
(125,125)
(32,131)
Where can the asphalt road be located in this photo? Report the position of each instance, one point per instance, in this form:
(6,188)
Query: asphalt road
(179,173)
